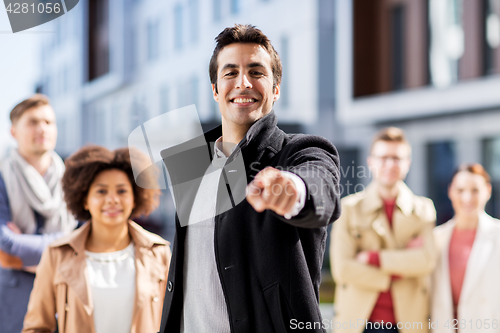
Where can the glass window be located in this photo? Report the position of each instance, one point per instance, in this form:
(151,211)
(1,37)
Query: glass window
(492,35)
(491,162)
(193,91)
(138,112)
(179,34)
(217,15)
(194,20)
(62,80)
(164,99)
(446,40)
(398,47)
(235,6)
(440,166)
(98,38)
(153,39)
(132,49)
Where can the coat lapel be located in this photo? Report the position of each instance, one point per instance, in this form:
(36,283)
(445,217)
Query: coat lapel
(70,270)
(382,228)
(444,268)
(149,270)
(401,218)
(479,256)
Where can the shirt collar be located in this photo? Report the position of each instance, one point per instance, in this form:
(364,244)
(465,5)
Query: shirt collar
(218,152)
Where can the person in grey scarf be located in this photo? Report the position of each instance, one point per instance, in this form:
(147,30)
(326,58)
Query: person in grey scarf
(32,210)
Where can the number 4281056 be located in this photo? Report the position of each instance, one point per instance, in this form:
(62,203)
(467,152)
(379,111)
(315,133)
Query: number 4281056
(472,324)
(41,8)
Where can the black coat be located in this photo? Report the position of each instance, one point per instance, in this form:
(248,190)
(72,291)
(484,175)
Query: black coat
(269,267)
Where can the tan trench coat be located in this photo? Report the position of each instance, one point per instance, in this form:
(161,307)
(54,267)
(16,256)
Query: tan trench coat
(362,226)
(61,284)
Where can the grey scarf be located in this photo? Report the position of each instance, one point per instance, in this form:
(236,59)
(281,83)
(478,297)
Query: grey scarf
(28,191)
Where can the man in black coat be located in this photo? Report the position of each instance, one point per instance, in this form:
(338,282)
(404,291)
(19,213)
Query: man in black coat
(253,204)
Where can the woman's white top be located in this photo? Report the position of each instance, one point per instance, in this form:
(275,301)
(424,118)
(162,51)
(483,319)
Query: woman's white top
(112,282)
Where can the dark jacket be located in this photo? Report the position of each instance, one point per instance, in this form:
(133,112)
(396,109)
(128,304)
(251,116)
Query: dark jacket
(16,285)
(269,267)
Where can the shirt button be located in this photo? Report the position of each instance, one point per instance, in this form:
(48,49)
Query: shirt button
(156,298)
(170,286)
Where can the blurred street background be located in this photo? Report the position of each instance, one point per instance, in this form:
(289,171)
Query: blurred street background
(351,67)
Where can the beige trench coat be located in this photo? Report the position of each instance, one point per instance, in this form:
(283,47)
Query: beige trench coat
(61,284)
(362,226)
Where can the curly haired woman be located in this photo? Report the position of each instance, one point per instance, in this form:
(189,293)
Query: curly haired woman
(110,274)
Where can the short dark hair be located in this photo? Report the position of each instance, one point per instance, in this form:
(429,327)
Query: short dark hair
(474,168)
(84,165)
(390,134)
(34,101)
(244,33)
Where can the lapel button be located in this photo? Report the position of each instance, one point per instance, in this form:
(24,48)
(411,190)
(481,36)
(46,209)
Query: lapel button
(170,286)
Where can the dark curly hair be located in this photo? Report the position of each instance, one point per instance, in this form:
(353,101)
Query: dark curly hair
(84,165)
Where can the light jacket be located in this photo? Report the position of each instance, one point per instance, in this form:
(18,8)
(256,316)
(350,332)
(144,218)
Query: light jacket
(363,226)
(269,267)
(61,285)
(479,303)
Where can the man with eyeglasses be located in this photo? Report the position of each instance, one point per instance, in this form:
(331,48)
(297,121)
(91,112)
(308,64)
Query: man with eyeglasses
(382,249)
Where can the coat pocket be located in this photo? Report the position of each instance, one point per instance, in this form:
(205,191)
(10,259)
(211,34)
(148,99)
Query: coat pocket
(278,306)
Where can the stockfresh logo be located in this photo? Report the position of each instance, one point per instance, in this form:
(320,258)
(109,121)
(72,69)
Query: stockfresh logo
(26,14)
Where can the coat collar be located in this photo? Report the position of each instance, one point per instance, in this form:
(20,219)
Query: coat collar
(482,248)
(72,267)
(485,227)
(262,134)
(77,239)
(374,202)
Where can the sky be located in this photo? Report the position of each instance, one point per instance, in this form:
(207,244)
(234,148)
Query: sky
(18,70)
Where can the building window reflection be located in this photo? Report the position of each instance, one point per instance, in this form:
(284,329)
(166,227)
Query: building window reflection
(491,36)
(179,22)
(235,6)
(217,14)
(193,20)
(98,24)
(491,161)
(446,40)
(441,163)
(153,40)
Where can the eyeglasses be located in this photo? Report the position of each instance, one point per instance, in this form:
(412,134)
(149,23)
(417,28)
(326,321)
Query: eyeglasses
(394,159)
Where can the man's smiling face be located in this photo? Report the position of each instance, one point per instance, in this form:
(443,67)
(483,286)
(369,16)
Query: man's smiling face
(245,85)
